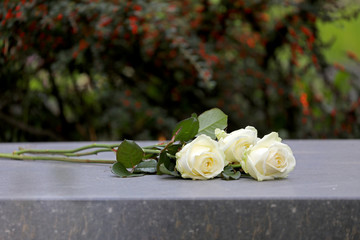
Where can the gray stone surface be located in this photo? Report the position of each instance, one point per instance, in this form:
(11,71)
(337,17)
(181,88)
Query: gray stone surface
(54,200)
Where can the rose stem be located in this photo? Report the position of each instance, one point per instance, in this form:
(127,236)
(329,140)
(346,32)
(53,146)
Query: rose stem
(64,159)
(63,152)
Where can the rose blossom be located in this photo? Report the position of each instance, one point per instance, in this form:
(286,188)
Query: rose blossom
(269,159)
(200,159)
(236,143)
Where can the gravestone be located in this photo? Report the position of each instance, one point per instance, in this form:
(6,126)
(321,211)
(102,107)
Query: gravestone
(57,200)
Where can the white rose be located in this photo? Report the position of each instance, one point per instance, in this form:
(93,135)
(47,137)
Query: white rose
(269,159)
(237,143)
(200,159)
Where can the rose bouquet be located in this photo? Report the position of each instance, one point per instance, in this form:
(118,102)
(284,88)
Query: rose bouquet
(199,149)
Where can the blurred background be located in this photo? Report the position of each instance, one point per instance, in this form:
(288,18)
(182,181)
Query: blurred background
(109,69)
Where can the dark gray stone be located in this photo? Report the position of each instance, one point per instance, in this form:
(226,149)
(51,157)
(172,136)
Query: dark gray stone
(54,200)
(180,219)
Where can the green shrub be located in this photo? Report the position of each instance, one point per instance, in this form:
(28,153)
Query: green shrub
(107,70)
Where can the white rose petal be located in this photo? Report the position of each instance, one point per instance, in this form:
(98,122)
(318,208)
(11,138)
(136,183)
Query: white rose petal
(236,144)
(270,159)
(200,159)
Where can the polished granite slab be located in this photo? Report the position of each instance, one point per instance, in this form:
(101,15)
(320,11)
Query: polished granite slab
(55,200)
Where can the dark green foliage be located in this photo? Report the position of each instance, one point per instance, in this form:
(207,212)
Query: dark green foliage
(129,153)
(186,129)
(148,166)
(230,174)
(108,70)
(120,170)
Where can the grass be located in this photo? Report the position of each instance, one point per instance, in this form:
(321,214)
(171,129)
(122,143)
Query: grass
(345,36)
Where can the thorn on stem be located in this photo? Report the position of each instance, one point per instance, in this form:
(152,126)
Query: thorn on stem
(176,133)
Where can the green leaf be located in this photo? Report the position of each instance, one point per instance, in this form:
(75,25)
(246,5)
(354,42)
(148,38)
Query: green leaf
(230,174)
(120,170)
(129,153)
(186,129)
(166,161)
(210,120)
(148,166)
(164,170)
(173,149)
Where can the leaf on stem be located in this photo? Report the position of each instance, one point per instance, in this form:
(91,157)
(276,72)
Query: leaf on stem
(129,153)
(120,170)
(164,170)
(166,162)
(173,149)
(186,129)
(230,174)
(210,120)
(148,166)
